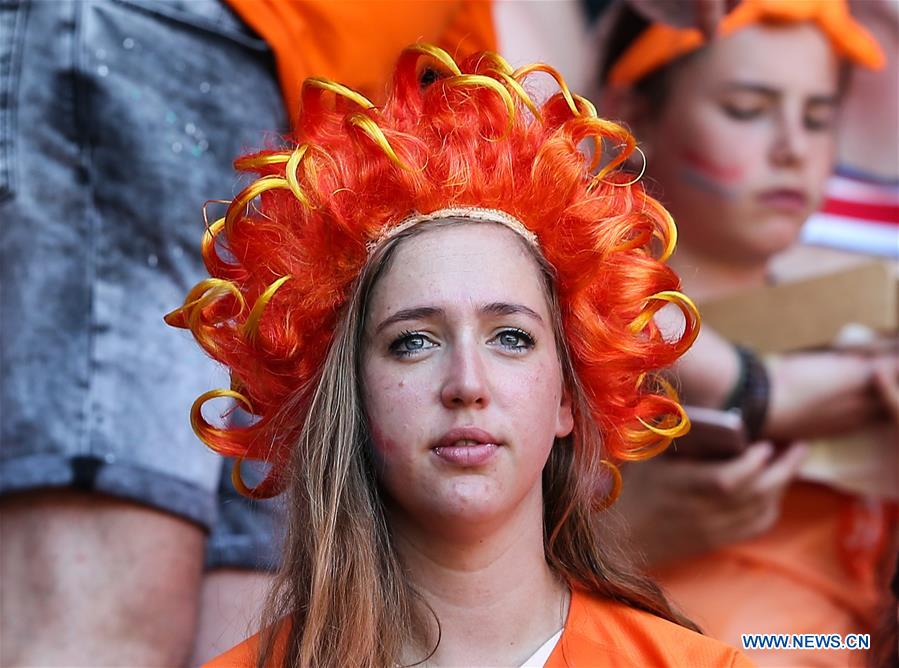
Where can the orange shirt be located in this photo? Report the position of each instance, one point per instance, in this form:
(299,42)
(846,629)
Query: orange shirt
(598,632)
(356,42)
(818,570)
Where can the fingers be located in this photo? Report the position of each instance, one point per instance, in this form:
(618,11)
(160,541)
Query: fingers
(708,504)
(752,478)
(748,520)
(759,503)
(755,473)
(755,508)
(780,472)
(729,478)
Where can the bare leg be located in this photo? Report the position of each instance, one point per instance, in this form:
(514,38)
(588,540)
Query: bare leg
(89,580)
(230,604)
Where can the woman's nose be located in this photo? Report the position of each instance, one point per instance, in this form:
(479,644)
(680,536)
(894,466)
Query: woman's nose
(465,382)
(790,143)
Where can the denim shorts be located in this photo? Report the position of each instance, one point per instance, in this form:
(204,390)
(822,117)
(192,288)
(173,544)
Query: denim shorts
(118,119)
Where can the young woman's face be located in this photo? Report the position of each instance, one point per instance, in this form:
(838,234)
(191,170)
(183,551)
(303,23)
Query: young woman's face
(462,383)
(745,141)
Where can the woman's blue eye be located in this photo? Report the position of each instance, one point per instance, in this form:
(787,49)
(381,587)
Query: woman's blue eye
(515,339)
(409,343)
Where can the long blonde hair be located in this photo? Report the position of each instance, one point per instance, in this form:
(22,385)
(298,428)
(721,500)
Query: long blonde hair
(341,586)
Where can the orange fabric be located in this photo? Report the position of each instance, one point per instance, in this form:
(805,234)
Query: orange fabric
(356,42)
(819,570)
(598,632)
(244,655)
(660,44)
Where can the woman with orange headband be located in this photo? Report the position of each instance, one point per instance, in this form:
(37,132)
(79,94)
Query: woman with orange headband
(739,136)
(442,317)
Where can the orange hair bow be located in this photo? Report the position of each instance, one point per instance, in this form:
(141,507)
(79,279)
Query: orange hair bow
(660,44)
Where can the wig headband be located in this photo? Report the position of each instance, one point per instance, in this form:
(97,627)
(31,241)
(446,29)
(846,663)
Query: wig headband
(452,140)
(660,44)
(465,212)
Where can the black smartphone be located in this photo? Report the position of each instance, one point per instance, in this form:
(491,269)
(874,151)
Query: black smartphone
(714,434)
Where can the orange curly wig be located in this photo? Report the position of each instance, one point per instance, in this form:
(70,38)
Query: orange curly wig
(284,259)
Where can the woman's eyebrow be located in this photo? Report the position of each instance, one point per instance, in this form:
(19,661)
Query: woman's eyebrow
(425,312)
(775,93)
(504,308)
(419,313)
(751,87)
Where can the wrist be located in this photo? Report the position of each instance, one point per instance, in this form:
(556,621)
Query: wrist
(751,394)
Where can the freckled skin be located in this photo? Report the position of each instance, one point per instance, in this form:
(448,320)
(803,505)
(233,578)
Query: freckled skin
(466,376)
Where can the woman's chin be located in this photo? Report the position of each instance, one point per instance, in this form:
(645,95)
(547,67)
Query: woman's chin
(769,236)
(780,234)
(468,498)
(460,507)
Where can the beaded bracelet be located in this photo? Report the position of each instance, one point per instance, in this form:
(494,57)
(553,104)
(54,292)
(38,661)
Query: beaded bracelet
(751,393)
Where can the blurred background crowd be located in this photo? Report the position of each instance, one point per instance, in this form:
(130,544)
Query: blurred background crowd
(768,128)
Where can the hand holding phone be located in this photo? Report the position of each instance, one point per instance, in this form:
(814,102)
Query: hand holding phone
(714,434)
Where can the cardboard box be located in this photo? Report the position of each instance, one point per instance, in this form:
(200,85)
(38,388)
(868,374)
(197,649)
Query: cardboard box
(814,295)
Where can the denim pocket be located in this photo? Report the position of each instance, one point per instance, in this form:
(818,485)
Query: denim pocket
(211,16)
(13,14)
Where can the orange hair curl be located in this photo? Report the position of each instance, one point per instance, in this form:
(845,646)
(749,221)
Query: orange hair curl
(285,257)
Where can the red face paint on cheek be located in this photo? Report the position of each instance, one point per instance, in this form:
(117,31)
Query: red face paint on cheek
(383,446)
(724,173)
(709,175)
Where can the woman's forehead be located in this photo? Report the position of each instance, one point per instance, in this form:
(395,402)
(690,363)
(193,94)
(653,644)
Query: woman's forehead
(795,57)
(460,266)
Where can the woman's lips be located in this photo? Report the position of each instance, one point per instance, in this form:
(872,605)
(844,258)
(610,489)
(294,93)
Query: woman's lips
(467,446)
(784,199)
